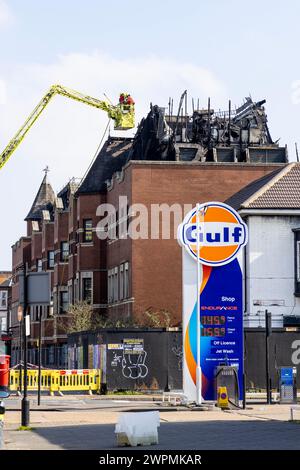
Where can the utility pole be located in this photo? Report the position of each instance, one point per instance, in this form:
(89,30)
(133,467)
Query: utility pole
(268,324)
(25,402)
(40,358)
(20,318)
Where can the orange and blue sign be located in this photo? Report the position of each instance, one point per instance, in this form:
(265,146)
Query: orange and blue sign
(214,236)
(218,234)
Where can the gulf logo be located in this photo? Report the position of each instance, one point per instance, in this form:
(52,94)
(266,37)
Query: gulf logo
(215,236)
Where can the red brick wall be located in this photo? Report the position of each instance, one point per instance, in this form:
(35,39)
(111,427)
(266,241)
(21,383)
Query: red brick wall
(120,251)
(61,234)
(91,257)
(156,264)
(72,237)
(36,249)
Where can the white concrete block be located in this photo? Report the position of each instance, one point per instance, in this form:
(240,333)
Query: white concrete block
(139,428)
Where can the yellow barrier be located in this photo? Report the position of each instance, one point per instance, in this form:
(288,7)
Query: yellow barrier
(76,380)
(58,380)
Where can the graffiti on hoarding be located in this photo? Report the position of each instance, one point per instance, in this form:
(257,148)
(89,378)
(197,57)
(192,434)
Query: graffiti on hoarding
(131,355)
(116,360)
(178,351)
(133,366)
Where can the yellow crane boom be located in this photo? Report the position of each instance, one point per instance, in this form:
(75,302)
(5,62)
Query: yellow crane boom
(123,115)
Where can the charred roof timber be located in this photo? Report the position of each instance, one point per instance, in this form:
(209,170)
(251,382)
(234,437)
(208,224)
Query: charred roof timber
(240,135)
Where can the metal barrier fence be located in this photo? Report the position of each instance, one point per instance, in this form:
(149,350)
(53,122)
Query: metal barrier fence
(53,357)
(58,380)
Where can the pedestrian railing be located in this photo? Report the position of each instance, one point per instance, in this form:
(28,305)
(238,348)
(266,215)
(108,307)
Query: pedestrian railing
(57,380)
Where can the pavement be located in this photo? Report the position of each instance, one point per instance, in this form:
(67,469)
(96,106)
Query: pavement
(82,422)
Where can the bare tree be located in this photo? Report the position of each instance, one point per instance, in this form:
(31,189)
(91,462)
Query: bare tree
(80,317)
(157,318)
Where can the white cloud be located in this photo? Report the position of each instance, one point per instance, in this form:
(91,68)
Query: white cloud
(3,93)
(70,127)
(67,134)
(6,15)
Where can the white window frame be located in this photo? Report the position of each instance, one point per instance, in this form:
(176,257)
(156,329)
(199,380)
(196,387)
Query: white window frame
(70,292)
(110,286)
(88,275)
(3,300)
(298,261)
(116,287)
(126,280)
(121,282)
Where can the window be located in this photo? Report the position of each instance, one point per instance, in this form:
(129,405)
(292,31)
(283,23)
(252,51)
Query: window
(50,260)
(63,302)
(117,225)
(87,289)
(87,230)
(39,265)
(123,221)
(113,225)
(115,285)
(3,324)
(70,290)
(128,220)
(3,300)
(110,286)
(122,282)
(76,290)
(126,280)
(297,261)
(64,252)
(118,283)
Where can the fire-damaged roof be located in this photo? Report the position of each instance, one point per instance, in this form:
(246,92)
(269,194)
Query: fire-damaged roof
(62,201)
(278,190)
(111,158)
(44,201)
(233,136)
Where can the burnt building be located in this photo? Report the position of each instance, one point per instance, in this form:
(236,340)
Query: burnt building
(175,160)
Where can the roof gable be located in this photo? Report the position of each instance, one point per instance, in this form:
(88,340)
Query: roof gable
(277,190)
(44,200)
(111,158)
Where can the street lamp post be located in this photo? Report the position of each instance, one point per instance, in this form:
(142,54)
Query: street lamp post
(25,402)
(20,318)
(40,358)
(268,328)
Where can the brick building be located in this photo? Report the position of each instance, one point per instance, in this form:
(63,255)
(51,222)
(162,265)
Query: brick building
(169,162)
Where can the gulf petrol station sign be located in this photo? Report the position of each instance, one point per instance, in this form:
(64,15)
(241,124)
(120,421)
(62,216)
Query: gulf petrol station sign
(212,236)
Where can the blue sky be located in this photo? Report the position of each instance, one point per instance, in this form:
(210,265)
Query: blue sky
(225,49)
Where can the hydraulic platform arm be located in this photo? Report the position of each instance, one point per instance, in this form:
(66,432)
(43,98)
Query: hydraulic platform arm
(122,114)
